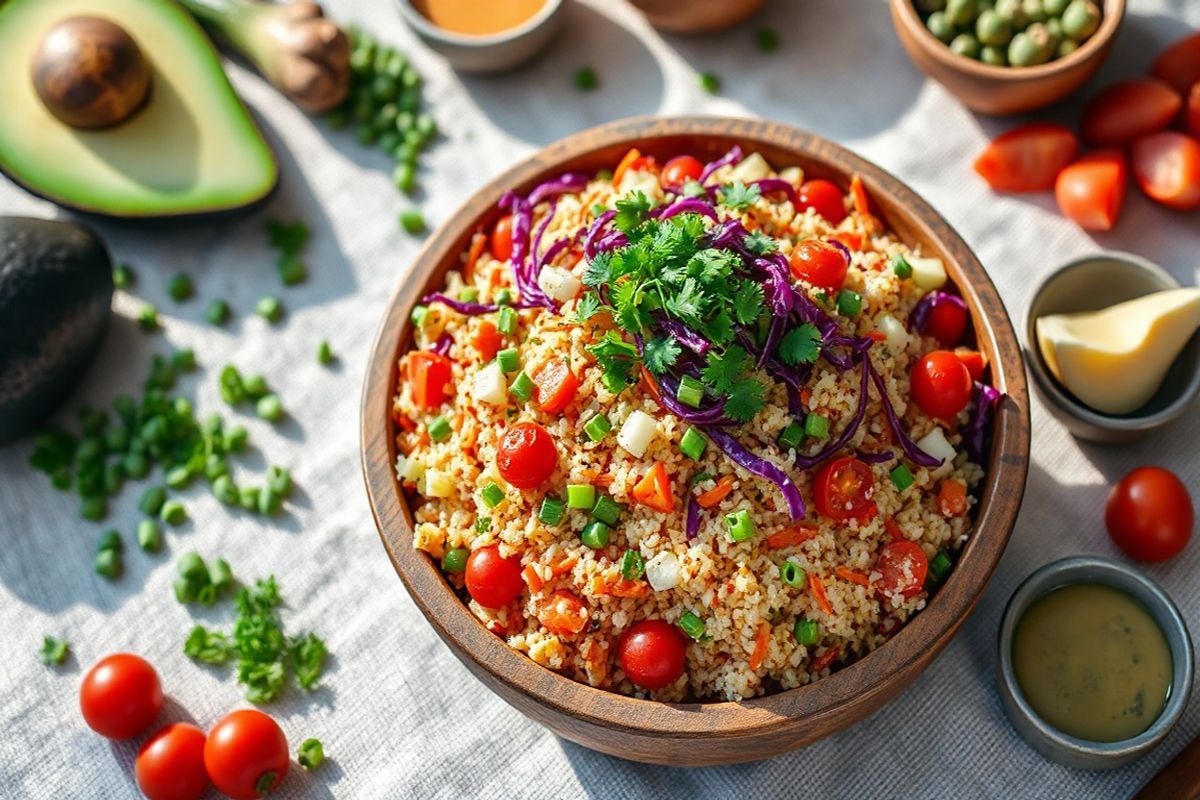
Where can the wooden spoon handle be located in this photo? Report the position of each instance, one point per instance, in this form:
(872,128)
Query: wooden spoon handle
(1179,780)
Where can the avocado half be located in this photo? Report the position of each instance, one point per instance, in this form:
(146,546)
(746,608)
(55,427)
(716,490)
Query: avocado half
(193,148)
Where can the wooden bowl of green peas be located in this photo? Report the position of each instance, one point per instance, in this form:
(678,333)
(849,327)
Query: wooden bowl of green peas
(1008,56)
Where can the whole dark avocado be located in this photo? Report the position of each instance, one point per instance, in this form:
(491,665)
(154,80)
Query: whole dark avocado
(55,300)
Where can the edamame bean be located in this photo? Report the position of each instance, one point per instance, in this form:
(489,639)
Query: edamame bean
(1010,11)
(940,27)
(965,45)
(1081,19)
(1023,51)
(1054,26)
(1066,47)
(1042,38)
(992,29)
(1055,8)
(960,12)
(994,56)
(1034,10)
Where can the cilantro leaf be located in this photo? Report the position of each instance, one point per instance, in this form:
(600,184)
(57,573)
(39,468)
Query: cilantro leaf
(760,244)
(800,345)
(687,303)
(307,654)
(631,210)
(693,189)
(739,195)
(660,354)
(588,307)
(626,297)
(211,647)
(722,370)
(711,266)
(611,345)
(719,328)
(598,271)
(746,398)
(748,302)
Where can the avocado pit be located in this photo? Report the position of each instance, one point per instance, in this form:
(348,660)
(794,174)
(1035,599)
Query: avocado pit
(90,73)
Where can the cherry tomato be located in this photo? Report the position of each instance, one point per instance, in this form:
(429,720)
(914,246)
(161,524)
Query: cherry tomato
(527,455)
(492,581)
(170,765)
(429,376)
(120,696)
(973,360)
(1027,158)
(1150,515)
(652,653)
(680,170)
(821,263)
(946,322)
(941,384)
(1167,167)
(1193,111)
(1179,64)
(1092,190)
(844,489)
(825,197)
(555,386)
(246,754)
(502,241)
(902,566)
(1128,110)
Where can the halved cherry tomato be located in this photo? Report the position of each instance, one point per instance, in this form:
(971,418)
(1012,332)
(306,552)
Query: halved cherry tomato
(946,322)
(1167,167)
(555,386)
(941,385)
(844,489)
(1179,64)
(1150,515)
(526,456)
(652,653)
(952,498)
(825,197)
(1128,110)
(902,566)
(654,490)
(246,754)
(502,241)
(1193,111)
(170,765)
(120,696)
(973,360)
(679,170)
(563,614)
(492,581)
(1092,190)
(488,340)
(821,263)
(429,375)
(1027,158)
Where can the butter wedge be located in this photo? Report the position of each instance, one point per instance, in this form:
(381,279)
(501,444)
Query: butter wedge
(1115,359)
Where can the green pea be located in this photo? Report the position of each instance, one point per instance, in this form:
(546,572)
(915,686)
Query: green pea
(384,87)
(365,134)
(994,56)
(1025,51)
(405,121)
(940,27)
(404,177)
(396,64)
(1066,47)
(965,45)
(363,110)
(1034,10)
(1081,19)
(1042,38)
(388,141)
(930,6)
(1055,8)
(410,100)
(960,12)
(1054,26)
(385,117)
(1010,10)
(360,61)
(993,29)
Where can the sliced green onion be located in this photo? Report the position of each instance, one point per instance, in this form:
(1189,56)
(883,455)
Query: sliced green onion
(270,502)
(940,565)
(607,510)
(280,480)
(311,754)
(551,511)
(180,288)
(901,266)
(504,296)
(468,294)
(597,427)
(418,316)
(149,536)
(849,303)
(792,574)
(633,565)
(807,632)
(581,495)
(692,625)
(691,391)
(741,526)
(248,497)
(439,429)
(509,360)
(492,495)
(455,560)
(224,489)
(595,535)
(792,435)
(178,477)
(816,426)
(269,308)
(698,477)
(483,525)
(693,443)
(521,388)
(506,320)
(269,407)
(902,477)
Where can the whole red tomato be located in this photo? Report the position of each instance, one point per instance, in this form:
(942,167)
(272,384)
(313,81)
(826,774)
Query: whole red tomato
(823,264)
(170,765)
(941,384)
(120,696)
(246,754)
(493,581)
(652,653)
(1149,514)
(527,455)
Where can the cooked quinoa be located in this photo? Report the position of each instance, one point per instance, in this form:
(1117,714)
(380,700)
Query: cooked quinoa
(762,597)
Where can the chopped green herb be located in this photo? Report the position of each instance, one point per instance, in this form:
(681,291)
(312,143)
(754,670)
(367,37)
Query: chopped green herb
(595,535)
(692,625)
(552,511)
(740,196)
(54,651)
(180,288)
(311,754)
(585,79)
(792,436)
(741,526)
(581,495)
(211,647)
(633,565)
(709,82)
(693,443)
(800,345)
(607,510)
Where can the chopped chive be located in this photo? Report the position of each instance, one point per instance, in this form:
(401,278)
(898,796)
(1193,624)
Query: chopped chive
(468,294)
(123,276)
(607,510)
(492,495)
(709,82)
(901,266)
(148,318)
(217,312)
(439,429)
(902,477)
(585,79)
(483,524)
(581,495)
(325,353)
(410,219)
(633,565)
(691,391)
(552,511)
(509,360)
(269,408)
(792,435)
(595,535)
(597,427)
(180,288)
(741,526)
(693,443)
(506,320)
(270,309)
(940,565)
(521,388)
(816,426)
(291,270)
(418,316)
(791,574)
(766,40)
(149,536)
(849,303)
(455,560)
(692,625)
(807,632)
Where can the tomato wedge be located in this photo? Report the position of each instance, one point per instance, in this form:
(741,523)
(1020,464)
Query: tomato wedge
(1179,64)
(502,241)
(1129,109)
(844,489)
(973,360)
(902,566)
(563,614)
(1167,167)
(429,375)
(1027,158)
(1092,190)
(555,386)
(654,490)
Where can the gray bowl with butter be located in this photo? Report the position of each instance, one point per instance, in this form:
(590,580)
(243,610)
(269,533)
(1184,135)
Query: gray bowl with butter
(1091,283)
(1052,743)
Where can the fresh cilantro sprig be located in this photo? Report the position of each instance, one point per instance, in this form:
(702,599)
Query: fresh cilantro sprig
(740,196)
(801,345)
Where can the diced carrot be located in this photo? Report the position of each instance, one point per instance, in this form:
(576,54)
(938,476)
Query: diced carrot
(648,384)
(628,588)
(633,155)
(818,592)
(564,566)
(877,336)
(853,241)
(487,340)
(858,193)
(563,613)
(826,659)
(852,576)
(791,536)
(806,395)
(973,360)
(598,586)
(952,498)
(555,386)
(717,493)
(404,447)
(404,422)
(477,243)
(597,478)
(762,641)
(532,579)
(654,490)
(893,528)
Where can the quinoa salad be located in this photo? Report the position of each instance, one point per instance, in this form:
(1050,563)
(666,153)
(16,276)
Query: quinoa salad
(693,431)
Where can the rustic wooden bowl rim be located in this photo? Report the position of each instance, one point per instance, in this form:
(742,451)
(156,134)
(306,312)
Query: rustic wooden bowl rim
(1113,13)
(784,712)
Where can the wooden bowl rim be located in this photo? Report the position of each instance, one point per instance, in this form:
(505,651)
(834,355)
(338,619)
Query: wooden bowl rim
(1114,13)
(789,710)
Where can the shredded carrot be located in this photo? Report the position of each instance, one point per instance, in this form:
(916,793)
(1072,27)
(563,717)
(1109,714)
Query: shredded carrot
(791,536)
(858,192)
(633,155)
(597,478)
(477,243)
(893,528)
(423,439)
(877,336)
(852,576)
(717,493)
(952,498)
(564,566)
(762,641)
(818,592)
(648,384)
(496,276)
(805,395)
(532,579)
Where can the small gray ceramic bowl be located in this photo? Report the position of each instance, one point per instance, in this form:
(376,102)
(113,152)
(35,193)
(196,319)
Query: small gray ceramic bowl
(492,53)
(1052,743)
(1089,284)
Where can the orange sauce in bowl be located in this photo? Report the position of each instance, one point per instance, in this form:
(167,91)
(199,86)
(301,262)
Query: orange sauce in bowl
(478,17)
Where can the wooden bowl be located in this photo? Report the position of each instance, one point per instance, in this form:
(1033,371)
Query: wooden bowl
(715,732)
(1004,90)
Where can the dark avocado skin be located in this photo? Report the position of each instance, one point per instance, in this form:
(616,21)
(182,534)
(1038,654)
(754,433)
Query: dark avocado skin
(55,300)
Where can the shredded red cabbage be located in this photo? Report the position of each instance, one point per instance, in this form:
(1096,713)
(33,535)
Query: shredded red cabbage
(920,314)
(979,427)
(593,234)
(874,458)
(808,462)
(470,309)
(772,185)
(732,157)
(710,415)
(688,205)
(914,453)
(691,517)
(570,183)
(443,344)
(760,467)
(685,336)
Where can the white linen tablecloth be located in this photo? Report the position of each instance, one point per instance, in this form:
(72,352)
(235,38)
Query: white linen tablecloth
(399,716)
